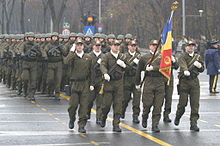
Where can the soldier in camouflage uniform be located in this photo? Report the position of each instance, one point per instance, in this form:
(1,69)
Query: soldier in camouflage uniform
(191,65)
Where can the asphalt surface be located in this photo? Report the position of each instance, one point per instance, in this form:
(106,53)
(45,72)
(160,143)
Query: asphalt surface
(45,122)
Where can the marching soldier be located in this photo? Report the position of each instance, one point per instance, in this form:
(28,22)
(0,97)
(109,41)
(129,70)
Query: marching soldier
(154,86)
(87,43)
(80,65)
(112,67)
(1,57)
(128,38)
(132,59)
(191,65)
(96,80)
(19,70)
(30,53)
(212,61)
(54,54)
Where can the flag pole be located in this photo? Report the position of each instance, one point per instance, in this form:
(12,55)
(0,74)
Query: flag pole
(174,6)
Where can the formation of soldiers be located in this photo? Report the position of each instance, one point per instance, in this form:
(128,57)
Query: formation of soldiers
(103,68)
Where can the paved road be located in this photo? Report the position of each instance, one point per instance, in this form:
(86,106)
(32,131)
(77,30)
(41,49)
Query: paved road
(45,121)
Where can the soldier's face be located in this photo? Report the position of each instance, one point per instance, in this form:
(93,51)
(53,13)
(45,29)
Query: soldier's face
(72,38)
(30,38)
(215,46)
(54,38)
(48,39)
(111,40)
(127,40)
(97,48)
(115,48)
(119,41)
(96,39)
(132,48)
(190,48)
(79,47)
(87,39)
(65,40)
(153,47)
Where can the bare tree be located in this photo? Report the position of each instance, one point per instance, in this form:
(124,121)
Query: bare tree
(56,18)
(22,16)
(8,12)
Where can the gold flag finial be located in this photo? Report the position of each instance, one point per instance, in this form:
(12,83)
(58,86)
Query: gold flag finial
(175,5)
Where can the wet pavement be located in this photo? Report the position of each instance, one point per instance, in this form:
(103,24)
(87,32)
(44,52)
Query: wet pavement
(45,122)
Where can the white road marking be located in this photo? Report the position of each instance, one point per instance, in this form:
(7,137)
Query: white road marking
(28,121)
(43,113)
(71,132)
(61,144)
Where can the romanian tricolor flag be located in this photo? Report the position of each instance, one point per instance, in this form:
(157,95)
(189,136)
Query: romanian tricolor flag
(166,49)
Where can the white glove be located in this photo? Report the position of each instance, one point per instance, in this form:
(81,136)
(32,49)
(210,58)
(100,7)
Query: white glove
(136,61)
(149,68)
(121,63)
(107,77)
(197,64)
(91,88)
(99,61)
(138,87)
(73,48)
(219,70)
(186,73)
(173,59)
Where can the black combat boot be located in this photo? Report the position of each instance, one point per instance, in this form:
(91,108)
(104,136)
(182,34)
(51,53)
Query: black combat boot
(116,129)
(177,121)
(82,130)
(144,123)
(19,92)
(102,123)
(194,128)
(167,119)
(98,121)
(136,120)
(71,124)
(32,98)
(155,129)
(123,116)
(57,96)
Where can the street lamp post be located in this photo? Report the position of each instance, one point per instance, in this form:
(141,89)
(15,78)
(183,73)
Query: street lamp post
(100,11)
(184,17)
(111,15)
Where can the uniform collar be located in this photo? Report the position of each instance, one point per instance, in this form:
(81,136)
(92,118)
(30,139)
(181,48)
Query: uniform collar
(151,52)
(80,54)
(191,54)
(97,53)
(132,54)
(114,54)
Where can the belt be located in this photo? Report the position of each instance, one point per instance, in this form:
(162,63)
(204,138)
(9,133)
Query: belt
(78,80)
(153,74)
